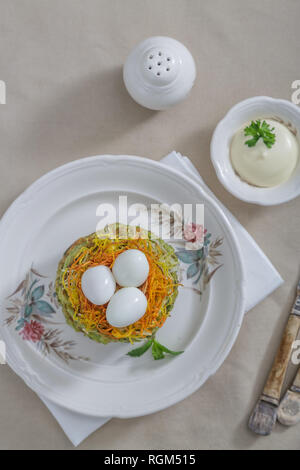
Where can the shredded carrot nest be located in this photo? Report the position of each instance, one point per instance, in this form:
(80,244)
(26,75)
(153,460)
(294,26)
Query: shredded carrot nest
(158,288)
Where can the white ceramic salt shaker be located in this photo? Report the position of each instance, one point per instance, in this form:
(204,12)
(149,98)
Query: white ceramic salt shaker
(159,72)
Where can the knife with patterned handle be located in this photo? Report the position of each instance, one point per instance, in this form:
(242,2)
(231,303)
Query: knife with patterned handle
(264,416)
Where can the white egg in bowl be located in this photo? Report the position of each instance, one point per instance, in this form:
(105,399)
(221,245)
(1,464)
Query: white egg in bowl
(126,306)
(98,284)
(279,114)
(131,268)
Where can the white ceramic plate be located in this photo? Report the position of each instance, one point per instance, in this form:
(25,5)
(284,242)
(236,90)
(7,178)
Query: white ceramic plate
(254,108)
(48,354)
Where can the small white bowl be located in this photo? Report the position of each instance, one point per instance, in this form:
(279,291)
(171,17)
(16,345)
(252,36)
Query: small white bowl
(254,108)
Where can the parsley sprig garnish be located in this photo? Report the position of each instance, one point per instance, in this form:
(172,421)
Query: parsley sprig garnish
(257,130)
(158,350)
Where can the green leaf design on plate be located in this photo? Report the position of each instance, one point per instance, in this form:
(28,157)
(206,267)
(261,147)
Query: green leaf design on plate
(207,239)
(43,307)
(20,324)
(28,311)
(30,288)
(192,270)
(189,256)
(201,269)
(37,293)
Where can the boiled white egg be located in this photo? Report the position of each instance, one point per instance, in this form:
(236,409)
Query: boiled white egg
(131,268)
(126,306)
(98,284)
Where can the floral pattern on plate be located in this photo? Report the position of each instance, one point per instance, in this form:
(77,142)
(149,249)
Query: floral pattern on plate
(196,250)
(32,309)
(200,261)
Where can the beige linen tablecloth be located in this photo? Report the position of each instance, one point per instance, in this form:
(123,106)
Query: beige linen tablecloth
(61,61)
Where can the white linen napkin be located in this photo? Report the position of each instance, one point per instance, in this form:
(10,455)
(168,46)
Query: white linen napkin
(261,279)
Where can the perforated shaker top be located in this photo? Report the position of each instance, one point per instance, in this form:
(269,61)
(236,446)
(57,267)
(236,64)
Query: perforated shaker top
(160,66)
(159,72)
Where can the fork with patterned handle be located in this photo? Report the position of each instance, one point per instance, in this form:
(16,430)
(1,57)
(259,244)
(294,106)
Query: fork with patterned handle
(289,408)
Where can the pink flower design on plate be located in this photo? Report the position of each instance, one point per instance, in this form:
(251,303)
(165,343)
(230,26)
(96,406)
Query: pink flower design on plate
(194,233)
(33,331)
